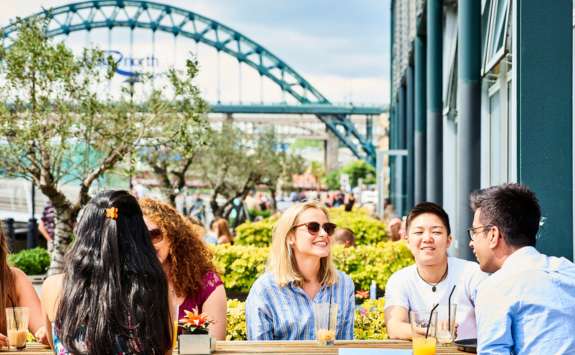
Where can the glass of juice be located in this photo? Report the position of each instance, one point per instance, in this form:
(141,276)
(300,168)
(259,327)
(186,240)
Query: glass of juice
(17,327)
(325,319)
(423,331)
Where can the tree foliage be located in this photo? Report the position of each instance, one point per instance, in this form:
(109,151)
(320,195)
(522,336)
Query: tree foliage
(233,164)
(185,130)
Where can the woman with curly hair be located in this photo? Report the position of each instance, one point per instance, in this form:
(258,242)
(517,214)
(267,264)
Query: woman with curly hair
(16,290)
(187,262)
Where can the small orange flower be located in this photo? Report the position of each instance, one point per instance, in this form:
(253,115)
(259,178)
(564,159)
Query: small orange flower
(195,322)
(362,294)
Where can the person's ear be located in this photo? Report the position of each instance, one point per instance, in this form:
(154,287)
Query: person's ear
(494,237)
(449,240)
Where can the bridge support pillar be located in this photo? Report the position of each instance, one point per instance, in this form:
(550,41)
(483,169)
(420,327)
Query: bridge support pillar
(331,147)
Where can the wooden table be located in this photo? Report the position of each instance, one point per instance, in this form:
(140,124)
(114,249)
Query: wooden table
(281,347)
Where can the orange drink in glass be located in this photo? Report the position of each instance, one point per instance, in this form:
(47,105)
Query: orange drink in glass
(423,331)
(424,346)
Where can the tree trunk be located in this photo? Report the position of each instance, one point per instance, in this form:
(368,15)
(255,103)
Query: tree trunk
(217,210)
(63,236)
(274,202)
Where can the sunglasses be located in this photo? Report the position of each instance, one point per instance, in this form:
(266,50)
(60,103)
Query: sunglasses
(156,235)
(313,227)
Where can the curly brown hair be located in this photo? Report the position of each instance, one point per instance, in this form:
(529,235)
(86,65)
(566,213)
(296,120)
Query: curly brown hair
(189,257)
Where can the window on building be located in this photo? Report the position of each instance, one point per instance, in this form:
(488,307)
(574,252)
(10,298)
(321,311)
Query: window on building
(494,25)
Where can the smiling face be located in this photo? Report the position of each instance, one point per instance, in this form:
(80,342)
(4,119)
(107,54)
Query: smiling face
(428,239)
(305,243)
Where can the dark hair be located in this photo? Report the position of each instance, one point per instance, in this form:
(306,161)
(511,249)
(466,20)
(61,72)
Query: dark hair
(115,293)
(512,208)
(428,207)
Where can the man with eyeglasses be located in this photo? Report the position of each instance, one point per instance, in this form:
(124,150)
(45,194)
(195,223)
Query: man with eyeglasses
(527,306)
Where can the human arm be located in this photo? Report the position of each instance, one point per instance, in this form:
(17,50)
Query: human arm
(259,324)
(27,297)
(348,311)
(397,308)
(216,307)
(397,322)
(50,292)
(42,229)
(494,321)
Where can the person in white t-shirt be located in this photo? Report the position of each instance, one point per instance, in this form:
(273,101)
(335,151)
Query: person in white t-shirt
(431,279)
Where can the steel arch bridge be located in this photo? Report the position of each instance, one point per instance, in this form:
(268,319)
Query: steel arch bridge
(89,15)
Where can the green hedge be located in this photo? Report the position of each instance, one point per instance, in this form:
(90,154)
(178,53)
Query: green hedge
(32,261)
(369,320)
(241,265)
(367,229)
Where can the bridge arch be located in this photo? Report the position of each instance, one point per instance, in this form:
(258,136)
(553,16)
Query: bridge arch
(89,15)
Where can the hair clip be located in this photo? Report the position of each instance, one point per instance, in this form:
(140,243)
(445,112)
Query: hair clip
(112,213)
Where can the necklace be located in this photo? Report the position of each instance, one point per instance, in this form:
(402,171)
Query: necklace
(433,285)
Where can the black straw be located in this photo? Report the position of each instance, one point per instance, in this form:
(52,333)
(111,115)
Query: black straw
(449,308)
(13,312)
(429,323)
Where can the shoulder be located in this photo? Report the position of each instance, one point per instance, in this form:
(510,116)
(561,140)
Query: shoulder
(19,276)
(51,287)
(53,281)
(263,283)
(344,280)
(401,276)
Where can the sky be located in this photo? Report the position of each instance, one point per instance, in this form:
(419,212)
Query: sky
(340,47)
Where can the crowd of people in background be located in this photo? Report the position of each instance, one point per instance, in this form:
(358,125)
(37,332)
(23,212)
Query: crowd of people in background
(136,265)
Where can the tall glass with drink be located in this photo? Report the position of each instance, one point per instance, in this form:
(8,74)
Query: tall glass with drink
(325,316)
(17,327)
(423,331)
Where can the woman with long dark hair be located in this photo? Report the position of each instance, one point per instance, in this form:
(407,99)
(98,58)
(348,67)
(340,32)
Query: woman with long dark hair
(16,290)
(113,295)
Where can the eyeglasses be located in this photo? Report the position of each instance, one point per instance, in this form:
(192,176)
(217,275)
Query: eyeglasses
(473,231)
(156,235)
(313,227)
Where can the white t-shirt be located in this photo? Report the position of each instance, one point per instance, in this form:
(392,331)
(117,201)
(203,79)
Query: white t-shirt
(406,289)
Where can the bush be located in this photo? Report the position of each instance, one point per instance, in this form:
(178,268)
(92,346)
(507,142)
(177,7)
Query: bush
(369,320)
(365,263)
(32,261)
(257,234)
(236,325)
(241,265)
(367,230)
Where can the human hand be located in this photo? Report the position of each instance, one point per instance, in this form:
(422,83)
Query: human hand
(3,340)
(41,335)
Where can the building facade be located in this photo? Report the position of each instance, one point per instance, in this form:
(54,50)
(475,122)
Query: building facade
(481,94)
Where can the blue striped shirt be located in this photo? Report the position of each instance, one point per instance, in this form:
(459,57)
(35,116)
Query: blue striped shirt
(286,313)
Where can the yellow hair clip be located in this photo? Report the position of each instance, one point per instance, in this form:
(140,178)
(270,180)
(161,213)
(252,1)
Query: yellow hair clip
(112,213)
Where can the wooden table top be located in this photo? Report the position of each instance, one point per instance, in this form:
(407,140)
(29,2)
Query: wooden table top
(280,347)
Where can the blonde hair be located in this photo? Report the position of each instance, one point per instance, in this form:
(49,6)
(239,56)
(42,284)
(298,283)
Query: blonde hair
(282,263)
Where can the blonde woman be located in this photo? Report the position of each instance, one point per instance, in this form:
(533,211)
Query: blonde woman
(300,272)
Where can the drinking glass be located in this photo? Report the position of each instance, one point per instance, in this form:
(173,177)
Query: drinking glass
(446,323)
(17,327)
(325,316)
(423,331)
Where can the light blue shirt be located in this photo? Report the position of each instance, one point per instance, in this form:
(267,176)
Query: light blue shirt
(528,306)
(286,313)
